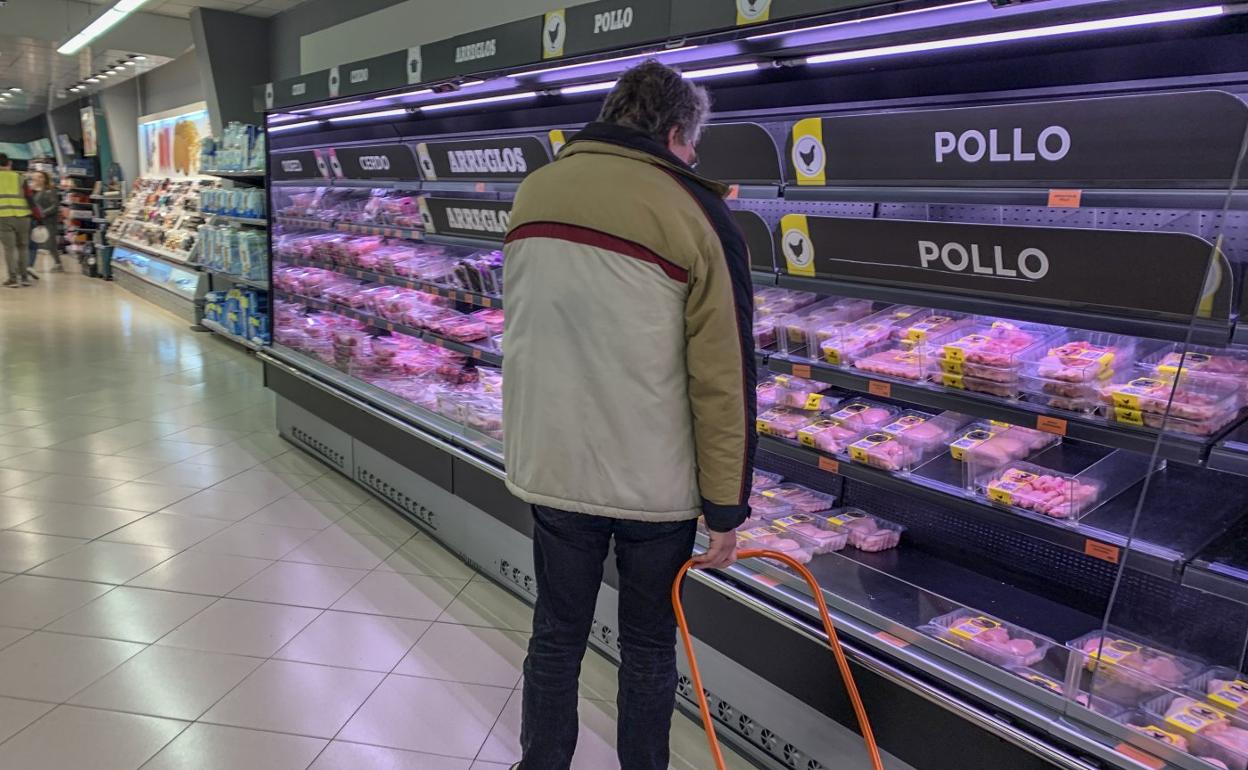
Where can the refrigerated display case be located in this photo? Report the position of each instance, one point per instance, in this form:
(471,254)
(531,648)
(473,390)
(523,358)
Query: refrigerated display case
(177,288)
(998,325)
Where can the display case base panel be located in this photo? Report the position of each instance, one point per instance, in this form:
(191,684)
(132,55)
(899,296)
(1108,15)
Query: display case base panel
(778,702)
(182,308)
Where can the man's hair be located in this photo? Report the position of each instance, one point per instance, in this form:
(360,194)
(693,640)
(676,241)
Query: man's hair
(4,159)
(653,99)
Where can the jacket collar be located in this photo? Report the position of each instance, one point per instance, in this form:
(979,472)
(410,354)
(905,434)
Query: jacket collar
(613,139)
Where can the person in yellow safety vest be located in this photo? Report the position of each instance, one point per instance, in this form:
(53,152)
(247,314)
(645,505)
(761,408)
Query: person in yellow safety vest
(14,222)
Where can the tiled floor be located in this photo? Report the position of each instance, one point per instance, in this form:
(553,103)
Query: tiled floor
(180,588)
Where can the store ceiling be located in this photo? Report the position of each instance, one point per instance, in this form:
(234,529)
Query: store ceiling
(182,8)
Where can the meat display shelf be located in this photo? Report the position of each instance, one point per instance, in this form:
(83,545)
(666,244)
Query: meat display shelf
(1222,568)
(252,221)
(408,233)
(1095,430)
(1231,453)
(479,354)
(221,330)
(232,278)
(1040,197)
(1202,332)
(181,260)
(1161,546)
(459,295)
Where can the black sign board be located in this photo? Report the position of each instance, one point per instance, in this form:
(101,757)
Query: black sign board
(466,217)
(382,161)
(368,76)
(604,25)
(758,238)
(739,153)
(501,159)
(1154,140)
(313,87)
(1144,273)
(507,45)
(306,164)
(709,15)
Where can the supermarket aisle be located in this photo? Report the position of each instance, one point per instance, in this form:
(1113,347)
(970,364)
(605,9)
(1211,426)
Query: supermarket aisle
(180,588)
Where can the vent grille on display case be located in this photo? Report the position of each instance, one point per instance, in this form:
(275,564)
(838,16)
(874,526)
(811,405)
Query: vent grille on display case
(745,726)
(396,497)
(510,573)
(319,448)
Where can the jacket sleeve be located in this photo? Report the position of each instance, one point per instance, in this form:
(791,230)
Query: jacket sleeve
(719,316)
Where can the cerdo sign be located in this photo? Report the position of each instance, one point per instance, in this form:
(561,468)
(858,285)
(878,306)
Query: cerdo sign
(383,161)
(1156,140)
(500,159)
(1111,269)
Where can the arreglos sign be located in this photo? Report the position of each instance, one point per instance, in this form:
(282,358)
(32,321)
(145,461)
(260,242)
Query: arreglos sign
(500,159)
(466,218)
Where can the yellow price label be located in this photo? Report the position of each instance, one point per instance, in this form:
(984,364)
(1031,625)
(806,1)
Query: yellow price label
(1129,416)
(832,355)
(954,354)
(806,439)
(1003,496)
(953,381)
(814,401)
(951,367)
(762,427)
(858,454)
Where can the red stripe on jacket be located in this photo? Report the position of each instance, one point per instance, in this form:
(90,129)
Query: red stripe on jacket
(596,238)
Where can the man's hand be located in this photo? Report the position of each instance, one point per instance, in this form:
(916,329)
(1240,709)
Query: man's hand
(721,554)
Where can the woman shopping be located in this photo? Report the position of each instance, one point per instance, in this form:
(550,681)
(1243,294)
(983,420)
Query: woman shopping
(44,204)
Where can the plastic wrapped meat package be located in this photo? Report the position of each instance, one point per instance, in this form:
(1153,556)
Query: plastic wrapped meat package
(1225,688)
(1189,405)
(1054,685)
(783,422)
(771,300)
(987,638)
(1033,488)
(904,363)
(907,441)
(828,436)
(989,358)
(823,537)
(986,446)
(793,328)
(773,538)
(764,480)
(1209,731)
(862,415)
(1200,365)
(1074,366)
(799,497)
(1129,672)
(866,532)
(844,342)
(767,508)
(794,392)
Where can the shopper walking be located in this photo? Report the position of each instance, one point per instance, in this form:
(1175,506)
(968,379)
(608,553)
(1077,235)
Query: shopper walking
(14,222)
(628,398)
(44,202)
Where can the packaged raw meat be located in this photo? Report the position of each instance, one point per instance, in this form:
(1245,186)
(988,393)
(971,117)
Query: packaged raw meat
(1033,488)
(926,434)
(764,480)
(907,362)
(793,329)
(985,446)
(774,538)
(772,300)
(764,334)
(1188,405)
(828,436)
(823,537)
(1199,364)
(993,351)
(1011,389)
(860,414)
(768,508)
(985,637)
(799,497)
(783,421)
(883,451)
(1085,357)
(1226,688)
(1209,732)
(931,327)
(1130,671)
(1152,727)
(1054,685)
(866,532)
(843,342)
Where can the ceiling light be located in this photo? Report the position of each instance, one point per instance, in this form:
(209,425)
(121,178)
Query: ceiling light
(714,72)
(102,75)
(129,64)
(140,57)
(566,67)
(1119,22)
(482,100)
(289,126)
(310,110)
(102,24)
(588,88)
(421,92)
(126,6)
(93,80)
(15,90)
(364,116)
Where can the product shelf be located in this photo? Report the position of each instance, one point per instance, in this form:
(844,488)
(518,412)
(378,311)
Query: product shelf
(1230,455)
(479,354)
(458,295)
(252,221)
(238,279)
(165,255)
(221,330)
(1212,199)
(1174,447)
(308,223)
(1162,543)
(254,177)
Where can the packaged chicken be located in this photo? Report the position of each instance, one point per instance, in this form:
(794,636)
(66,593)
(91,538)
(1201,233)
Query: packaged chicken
(773,538)
(823,537)
(772,300)
(843,342)
(1200,364)
(993,351)
(866,532)
(904,363)
(861,415)
(764,480)
(1188,405)
(1209,732)
(828,436)
(764,334)
(931,327)
(783,421)
(991,445)
(1152,727)
(883,451)
(985,637)
(1056,686)
(1033,488)
(799,497)
(793,329)
(1086,357)
(1226,688)
(768,508)
(1129,671)
(800,393)
(925,433)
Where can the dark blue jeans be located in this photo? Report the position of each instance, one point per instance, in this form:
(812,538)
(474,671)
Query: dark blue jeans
(569,550)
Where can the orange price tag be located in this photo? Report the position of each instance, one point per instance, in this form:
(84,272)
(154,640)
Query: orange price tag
(1102,551)
(770,582)
(1139,755)
(801,370)
(881,389)
(829,465)
(1065,199)
(734,192)
(888,638)
(1051,425)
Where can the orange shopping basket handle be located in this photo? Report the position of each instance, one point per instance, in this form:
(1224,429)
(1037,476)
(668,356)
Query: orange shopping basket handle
(850,686)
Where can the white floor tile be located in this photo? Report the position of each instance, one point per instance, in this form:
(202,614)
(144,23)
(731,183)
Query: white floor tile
(193,572)
(16,714)
(403,596)
(20,551)
(33,602)
(256,540)
(340,755)
(351,640)
(53,667)
(307,585)
(167,530)
(132,614)
(214,747)
(485,604)
(241,628)
(217,504)
(467,654)
(82,521)
(104,562)
(72,738)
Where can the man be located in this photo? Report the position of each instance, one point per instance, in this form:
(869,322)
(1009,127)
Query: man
(628,398)
(14,222)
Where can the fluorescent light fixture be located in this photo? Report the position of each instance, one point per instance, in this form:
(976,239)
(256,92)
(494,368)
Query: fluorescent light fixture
(282,118)
(310,110)
(129,64)
(290,126)
(1056,30)
(802,30)
(714,72)
(126,6)
(365,116)
(482,100)
(404,95)
(15,90)
(102,24)
(631,57)
(588,88)
(140,57)
(102,76)
(93,80)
